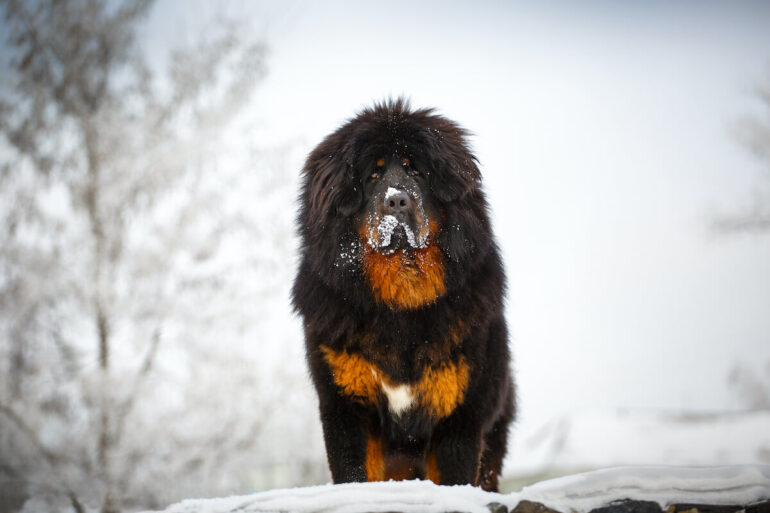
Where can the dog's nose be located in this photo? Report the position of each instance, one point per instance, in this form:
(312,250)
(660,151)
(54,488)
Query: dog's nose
(396,202)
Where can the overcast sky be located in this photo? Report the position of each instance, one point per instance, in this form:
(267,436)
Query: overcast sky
(605,135)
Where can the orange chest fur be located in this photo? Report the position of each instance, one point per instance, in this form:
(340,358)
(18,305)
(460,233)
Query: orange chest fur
(404,279)
(439,391)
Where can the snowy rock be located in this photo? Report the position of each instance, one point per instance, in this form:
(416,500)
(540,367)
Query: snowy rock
(665,485)
(629,506)
(648,489)
(525,506)
(496,507)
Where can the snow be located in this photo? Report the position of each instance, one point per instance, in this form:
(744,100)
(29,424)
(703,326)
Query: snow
(385,230)
(404,496)
(392,191)
(737,485)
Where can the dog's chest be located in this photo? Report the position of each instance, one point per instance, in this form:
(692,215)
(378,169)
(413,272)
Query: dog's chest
(439,389)
(400,397)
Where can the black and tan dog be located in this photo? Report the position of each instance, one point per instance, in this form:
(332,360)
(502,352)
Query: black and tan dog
(400,286)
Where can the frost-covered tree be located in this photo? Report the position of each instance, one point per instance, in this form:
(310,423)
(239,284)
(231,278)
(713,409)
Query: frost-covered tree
(754,134)
(128,266)
(751,386)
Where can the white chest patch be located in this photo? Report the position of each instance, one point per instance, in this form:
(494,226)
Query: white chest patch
(400,398)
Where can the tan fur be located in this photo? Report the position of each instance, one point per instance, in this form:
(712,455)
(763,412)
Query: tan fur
(432,469)
(440,389)
(375,464)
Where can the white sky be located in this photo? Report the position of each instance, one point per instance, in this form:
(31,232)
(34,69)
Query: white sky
(604,133)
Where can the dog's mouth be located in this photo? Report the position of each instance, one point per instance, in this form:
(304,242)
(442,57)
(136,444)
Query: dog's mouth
(388,234)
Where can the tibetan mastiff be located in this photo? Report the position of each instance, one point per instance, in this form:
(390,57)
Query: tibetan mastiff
(400,287)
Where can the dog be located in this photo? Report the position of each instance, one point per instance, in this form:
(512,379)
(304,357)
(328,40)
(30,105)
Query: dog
(400,287)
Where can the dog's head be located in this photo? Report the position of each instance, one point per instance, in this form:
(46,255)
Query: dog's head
(394,193)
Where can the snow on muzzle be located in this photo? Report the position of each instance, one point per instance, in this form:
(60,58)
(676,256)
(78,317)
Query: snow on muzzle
(382,231)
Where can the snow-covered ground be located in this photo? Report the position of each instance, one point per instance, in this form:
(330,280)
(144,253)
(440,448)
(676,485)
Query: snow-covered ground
(729,485)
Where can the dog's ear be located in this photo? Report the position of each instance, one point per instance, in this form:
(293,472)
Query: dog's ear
(454,179)
(452,168)
(349,200)
(329,183)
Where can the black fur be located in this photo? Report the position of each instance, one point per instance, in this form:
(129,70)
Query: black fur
(342,314)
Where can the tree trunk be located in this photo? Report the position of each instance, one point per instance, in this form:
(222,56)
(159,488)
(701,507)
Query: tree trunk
(92,193)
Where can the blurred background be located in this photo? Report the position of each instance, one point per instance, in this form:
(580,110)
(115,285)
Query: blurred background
(149,161)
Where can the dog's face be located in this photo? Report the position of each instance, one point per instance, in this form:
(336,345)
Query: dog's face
(393,196)
(398,208)
(397,222)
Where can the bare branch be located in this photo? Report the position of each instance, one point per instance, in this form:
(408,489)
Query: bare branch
(128,405)
(49,457)
(76,505)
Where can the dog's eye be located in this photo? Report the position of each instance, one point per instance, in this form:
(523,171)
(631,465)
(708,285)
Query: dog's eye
(374,176)
(381,162)
(407,165)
